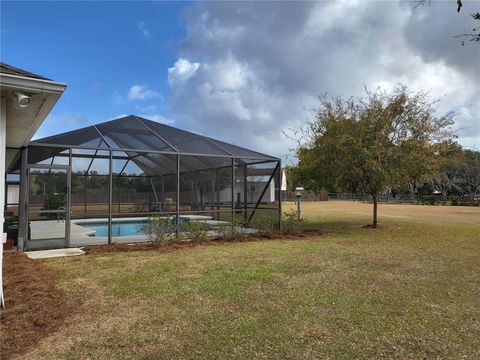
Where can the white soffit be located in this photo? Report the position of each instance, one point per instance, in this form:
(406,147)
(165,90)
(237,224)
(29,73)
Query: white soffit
(22,123)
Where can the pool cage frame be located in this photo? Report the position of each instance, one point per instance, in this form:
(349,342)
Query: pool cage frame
(230,158)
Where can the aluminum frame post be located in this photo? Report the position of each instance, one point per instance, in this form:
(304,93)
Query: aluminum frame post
(233,191)
(177,202)
(217,193)
(85,196)
(110,197)
(69,200)
(23,203)
(279,192)
(154,191)
(212,200)
(163,190)
(245,195)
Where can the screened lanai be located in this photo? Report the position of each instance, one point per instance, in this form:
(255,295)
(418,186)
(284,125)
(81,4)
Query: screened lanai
(99,184)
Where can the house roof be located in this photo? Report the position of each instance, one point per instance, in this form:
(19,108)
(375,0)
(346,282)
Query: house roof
(12,70)
(151,145)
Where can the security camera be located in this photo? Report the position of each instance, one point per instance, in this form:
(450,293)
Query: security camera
(22,100)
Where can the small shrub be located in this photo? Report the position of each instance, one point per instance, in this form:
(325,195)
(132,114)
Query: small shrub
(233,231)
(195,231)
(290,221)
(159,230)
(266,225)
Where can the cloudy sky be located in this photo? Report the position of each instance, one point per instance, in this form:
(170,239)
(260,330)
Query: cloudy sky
(238,71)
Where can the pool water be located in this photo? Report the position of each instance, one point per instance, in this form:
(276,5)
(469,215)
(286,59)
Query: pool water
(119,228)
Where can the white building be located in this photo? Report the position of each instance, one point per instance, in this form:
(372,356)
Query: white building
(26,100)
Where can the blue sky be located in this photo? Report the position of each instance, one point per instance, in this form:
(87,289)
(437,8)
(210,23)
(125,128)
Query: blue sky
(100,49)
(242,72)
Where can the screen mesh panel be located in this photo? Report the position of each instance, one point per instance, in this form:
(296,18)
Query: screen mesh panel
(150,145)
(133,167)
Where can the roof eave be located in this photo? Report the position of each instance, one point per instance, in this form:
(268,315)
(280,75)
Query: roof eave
(32,84)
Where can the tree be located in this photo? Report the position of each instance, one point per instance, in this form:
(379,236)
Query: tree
(452,167)
(472,176)
(371,144)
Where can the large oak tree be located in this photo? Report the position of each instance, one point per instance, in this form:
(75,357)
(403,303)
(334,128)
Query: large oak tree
(381,141)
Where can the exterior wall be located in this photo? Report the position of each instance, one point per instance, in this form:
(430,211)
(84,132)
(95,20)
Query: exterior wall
(268,197)
(3,139)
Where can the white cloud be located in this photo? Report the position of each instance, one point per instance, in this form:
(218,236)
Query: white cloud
(260,66)
(143,29)
(140,92)
(181,71)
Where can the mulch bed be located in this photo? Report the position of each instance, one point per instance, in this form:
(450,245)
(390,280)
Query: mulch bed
(287,235)
(34,307)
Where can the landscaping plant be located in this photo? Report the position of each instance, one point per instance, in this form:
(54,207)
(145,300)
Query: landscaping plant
(265,224)
(232,231)
(159,230)
(290,221)
(195,231)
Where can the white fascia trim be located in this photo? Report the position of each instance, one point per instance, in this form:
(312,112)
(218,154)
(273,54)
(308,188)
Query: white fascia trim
(32,84)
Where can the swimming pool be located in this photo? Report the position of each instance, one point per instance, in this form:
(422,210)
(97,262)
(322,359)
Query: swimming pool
(126,227)
(119,228)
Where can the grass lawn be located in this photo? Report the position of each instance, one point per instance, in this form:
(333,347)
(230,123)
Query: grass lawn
(410,289)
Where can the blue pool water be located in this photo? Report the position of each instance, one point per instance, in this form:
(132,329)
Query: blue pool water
(119,228)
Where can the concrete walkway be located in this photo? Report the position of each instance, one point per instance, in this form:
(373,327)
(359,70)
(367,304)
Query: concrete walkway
(45,254)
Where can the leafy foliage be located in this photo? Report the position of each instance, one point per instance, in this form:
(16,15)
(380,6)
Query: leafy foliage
(159,230)
(371,144)
(233,231)
(458,174)
(290,220)
(266,224)
(195,231)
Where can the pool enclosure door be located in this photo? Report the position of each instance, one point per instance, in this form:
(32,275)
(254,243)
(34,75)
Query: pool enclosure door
(48,206)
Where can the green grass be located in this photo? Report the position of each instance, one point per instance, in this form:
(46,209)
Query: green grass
(410,289)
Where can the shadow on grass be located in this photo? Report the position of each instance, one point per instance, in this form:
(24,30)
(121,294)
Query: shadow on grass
(341,227)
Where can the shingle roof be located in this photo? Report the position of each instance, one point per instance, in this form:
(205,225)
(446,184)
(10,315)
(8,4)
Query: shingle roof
(12,70)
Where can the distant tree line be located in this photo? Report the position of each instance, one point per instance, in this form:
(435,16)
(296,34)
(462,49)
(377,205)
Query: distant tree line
(95,183)
(458,175)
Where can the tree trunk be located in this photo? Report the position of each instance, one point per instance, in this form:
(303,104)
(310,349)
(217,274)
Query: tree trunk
(375,207)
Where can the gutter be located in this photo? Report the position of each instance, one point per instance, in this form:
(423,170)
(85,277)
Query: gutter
(32,84)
